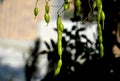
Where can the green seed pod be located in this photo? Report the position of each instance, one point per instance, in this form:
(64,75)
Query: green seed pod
(101,50)
(98,2)
(66,6)
(77,3)
(36,11)
(47,8)
(61,27)
(99,15)
(100,39)
(94,5)
(100,7)
(59,21)
(102,15)
(60,63)
(59,46)
(102,18)
(57,71)
(99,30)
(47,18)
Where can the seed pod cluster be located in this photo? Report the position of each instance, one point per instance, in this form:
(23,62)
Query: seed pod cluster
(60,28)
(46,14)
(100,17)
(77,4)
(36,9)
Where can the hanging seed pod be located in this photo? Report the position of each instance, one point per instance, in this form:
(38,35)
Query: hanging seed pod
(36,11)
(100,7)
(94,5)
(57,71)
(47,18)
(99,16)
(102,18)
(101,50)
(60,63)
(47,8)
(59,21)
(98,2)
(77,6)
(66,6)
(61,27)
(59,45)
(102,15)
(77,3)
(99,30)
(100,39)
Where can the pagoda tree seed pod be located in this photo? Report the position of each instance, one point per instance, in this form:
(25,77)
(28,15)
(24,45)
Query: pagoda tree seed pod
(59,21)
(94,5)
(57,71)
(98,2)
(47,8)
(66,6)
(77,3)
(102,15)
(60,63)
(99,30)
(61,27)
(99,7)
(47,18)
(102,18)
(36,11)
(99,15)
(101,50)
(100,39)
(59,45)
